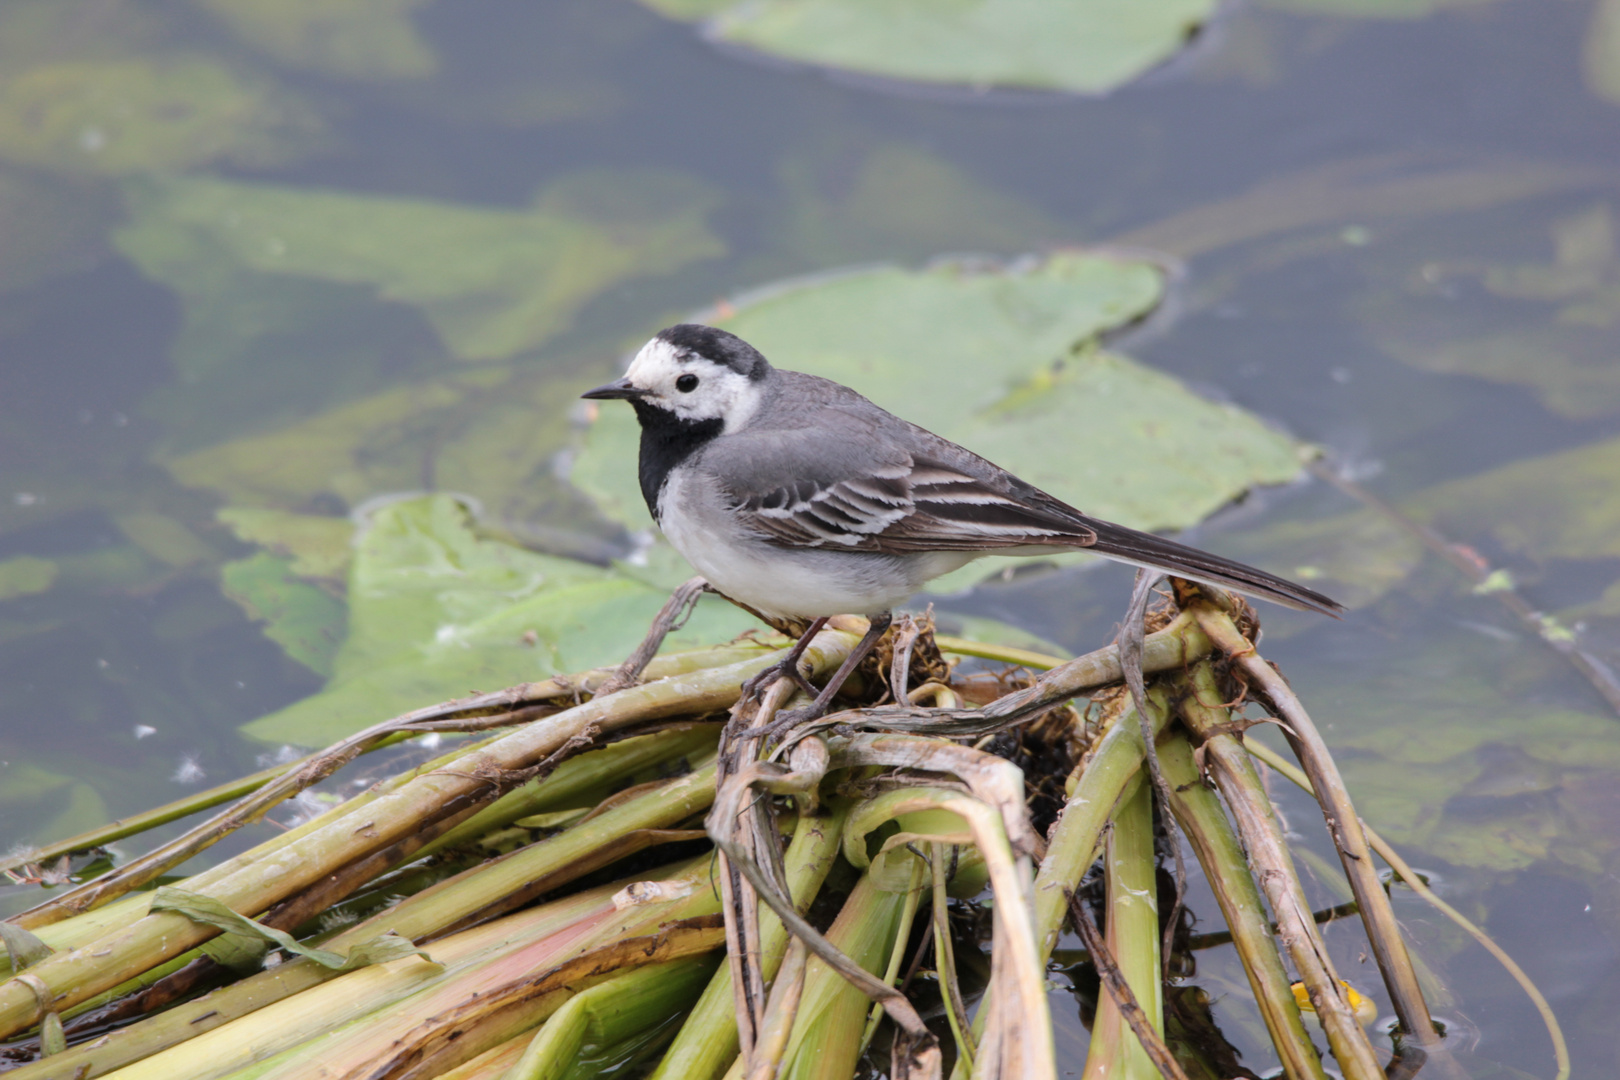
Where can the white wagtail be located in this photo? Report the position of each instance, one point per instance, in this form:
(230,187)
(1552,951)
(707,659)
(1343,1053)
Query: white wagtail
(797,497)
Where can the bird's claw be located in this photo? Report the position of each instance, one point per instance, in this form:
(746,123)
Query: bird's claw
(757,685)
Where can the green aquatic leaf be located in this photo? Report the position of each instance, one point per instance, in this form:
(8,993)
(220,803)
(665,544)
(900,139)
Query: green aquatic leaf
(493,282)
(1557,506)
(1084,46)
(25,575)
(305,620)
(381,949)
(1000,359)
(354,39)
(1357,558)
(39,804)
(163,538)
(319,547)
(491,432)
(156,113)
(435,611)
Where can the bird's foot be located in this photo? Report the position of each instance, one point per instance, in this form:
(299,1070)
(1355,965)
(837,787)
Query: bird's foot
(786,720)
(785,668)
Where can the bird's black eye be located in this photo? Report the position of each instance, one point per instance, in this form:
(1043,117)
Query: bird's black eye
(686,383)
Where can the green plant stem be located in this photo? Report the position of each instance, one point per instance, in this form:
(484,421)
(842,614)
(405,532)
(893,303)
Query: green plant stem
(65,979)
(481,891)
(1132,936)
(1383,931)
(1111,773)
(1415,882)
(1199,812)
(1008,654)
(945,961)
(1262,836)
(581,780)
(897,956)
(611,1012)
(825,1043)
(707,1042)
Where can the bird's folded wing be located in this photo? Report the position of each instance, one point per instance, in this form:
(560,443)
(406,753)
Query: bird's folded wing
(901,507)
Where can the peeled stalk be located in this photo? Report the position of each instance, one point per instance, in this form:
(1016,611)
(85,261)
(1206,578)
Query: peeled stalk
(632,1004)
(1383,932)
(1132,935)
(707,1042)
(825,1043)
(1262,836)
(1198,810)
(66,979)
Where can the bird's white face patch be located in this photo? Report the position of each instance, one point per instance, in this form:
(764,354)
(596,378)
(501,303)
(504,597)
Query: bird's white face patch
(693,387)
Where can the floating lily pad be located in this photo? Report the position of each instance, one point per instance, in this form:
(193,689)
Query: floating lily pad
(163,538)
(1558,506)
(493,282)
(25,575)
(45,805)
(490,432)
(305,620)
(435,612)
(1083,46)
(318,547)
(1001,359)
(149,114)
(356,39)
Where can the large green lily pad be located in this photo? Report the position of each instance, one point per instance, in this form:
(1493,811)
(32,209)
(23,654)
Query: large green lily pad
(1003,360)
(490,432)
(436,612)
(305,620)
(357,39)
(1081,46)
(140,115)
(493,282)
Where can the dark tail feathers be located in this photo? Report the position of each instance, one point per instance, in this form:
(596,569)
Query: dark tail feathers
(1157,553)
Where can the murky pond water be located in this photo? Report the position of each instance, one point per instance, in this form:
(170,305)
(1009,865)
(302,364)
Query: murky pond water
(300,277)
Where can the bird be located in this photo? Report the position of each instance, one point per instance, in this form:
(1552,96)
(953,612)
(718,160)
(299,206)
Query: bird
(798,498)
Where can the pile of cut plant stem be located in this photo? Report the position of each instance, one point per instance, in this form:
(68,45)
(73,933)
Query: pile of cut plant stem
(637,870)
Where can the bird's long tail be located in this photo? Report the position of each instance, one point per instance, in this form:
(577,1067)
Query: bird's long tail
(1156,553)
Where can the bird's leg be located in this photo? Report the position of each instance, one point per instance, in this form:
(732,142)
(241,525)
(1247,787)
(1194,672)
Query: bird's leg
(818,708)
(787,667)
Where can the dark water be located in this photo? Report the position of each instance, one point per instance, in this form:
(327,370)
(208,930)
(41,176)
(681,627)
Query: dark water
(1319,303)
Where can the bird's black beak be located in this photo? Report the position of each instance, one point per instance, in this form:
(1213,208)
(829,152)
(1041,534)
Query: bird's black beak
(619,388)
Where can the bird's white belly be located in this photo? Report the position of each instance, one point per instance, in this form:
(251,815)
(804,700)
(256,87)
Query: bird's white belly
(804,583)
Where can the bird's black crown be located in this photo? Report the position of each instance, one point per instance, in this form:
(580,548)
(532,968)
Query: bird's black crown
(718,346)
